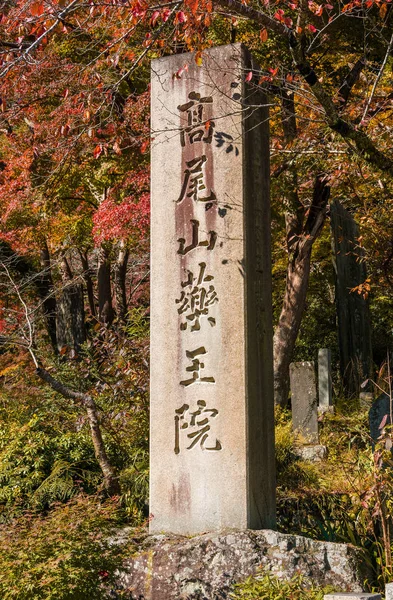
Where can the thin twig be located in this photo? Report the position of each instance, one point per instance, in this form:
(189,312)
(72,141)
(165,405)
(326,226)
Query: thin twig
(381,70)
(30,339)
(36,43)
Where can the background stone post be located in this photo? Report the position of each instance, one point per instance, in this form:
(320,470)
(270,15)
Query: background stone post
(304,401)
(325,400)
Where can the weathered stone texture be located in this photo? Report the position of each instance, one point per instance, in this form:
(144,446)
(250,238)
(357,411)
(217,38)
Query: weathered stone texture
(211,392)
(350,596)
(313,454)
(205,567)
(353,313)
(389,591)
(304,401)
(325,401)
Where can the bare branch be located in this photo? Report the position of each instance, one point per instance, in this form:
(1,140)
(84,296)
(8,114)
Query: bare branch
(377,80)
(37,42)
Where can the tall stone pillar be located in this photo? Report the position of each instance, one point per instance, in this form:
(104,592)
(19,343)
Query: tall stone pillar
(353,314)
(212,421)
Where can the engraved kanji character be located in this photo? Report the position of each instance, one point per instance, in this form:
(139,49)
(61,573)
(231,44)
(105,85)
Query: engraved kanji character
(194,182)
(210,243)
(200,426)
(196,299)
(195,368)
(199,127)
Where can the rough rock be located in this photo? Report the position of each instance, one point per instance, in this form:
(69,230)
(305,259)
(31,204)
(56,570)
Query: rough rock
(352,596)
(206,566)
(313,454)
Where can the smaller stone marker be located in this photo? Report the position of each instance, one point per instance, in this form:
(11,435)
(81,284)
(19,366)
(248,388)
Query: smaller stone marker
(304,401)
(379,416)
(324,380)
(352,596)
(389,591)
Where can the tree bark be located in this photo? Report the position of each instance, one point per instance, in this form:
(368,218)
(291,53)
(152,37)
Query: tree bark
(120,272)
(46,290)
(111,482)
(70,310)
(105,307)
(89,283)
(300,246)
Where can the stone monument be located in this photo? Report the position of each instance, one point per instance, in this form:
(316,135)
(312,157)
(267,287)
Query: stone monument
(353,313)
(304,401)
(325,403)
(212,414)
(305,411)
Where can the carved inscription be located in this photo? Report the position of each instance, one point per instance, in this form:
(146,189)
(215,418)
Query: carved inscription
(196,425)
(194,182)
(199,126)
(195,243)
(196,368)
(197,296)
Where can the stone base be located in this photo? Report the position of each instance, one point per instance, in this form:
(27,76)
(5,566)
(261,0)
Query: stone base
(366,399)
(389,591)
(206,566)
(325,409)
(314,454)
(350,596)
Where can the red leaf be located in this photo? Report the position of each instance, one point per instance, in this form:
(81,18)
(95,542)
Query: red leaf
(154,17)
(249,76)
(311,28)
(165,15)
(383,422)
(181,17)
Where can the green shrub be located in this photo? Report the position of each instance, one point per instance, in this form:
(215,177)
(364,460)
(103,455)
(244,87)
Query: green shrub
(268,587)
(66,555)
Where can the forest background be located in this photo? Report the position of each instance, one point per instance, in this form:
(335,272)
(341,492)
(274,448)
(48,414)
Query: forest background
(74,261)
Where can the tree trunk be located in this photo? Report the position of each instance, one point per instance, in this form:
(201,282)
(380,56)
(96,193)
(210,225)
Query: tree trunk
(120,282)
(89,283)
(105,308)
(111,482)
(70,310)
(46,290)
(288,326)
(300,246)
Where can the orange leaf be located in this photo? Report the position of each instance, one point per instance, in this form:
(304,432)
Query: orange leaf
(37,9)
(263,34)
(383,11)
(144,146)
(193,4)
(97,151)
